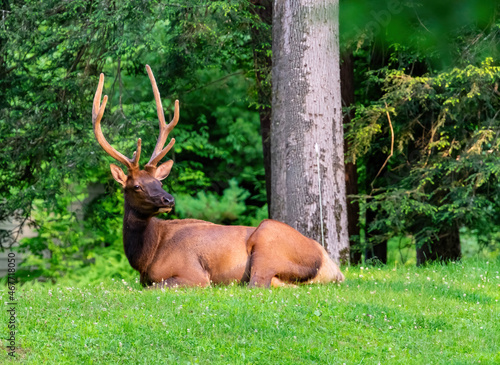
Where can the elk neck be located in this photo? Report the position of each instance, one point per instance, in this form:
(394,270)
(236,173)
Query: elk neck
(138,249)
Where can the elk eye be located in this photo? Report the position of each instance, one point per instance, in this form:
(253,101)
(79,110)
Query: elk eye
(137,187)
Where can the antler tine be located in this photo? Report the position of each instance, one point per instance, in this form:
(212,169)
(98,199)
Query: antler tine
(97,113)
(159,152)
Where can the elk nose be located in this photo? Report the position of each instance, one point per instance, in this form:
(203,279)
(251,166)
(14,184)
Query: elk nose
(168,200)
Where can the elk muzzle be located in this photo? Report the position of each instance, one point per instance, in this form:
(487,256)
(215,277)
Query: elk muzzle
(168,203)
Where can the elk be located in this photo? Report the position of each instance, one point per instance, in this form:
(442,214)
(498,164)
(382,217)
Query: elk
(190,252)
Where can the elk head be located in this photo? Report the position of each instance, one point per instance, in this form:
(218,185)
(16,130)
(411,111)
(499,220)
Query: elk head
(142,188)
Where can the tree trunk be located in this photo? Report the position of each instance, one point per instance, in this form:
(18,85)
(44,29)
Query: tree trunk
(262,64)
(351,173)
(446,247)
(306,124)
(375,252)
(376,247)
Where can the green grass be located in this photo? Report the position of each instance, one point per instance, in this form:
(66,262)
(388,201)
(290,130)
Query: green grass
(391,315)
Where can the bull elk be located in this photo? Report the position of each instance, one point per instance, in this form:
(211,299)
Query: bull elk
(189,252)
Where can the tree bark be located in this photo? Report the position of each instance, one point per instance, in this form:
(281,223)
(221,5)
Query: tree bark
(351,173)
(306,124)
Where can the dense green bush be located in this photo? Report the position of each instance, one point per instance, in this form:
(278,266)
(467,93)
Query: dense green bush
(444,165)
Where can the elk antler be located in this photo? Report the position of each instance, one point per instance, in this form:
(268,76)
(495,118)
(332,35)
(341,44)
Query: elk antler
(97,112)
(159,152)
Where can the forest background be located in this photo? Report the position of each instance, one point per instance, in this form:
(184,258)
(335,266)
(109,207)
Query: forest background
(421,123)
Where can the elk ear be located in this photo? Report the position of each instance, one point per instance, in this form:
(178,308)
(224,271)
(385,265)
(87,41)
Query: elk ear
(118,174)
(163,170)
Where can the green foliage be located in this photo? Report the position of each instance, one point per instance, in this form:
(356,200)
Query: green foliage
(109,263)
(51,56)
(208,206)
(444,167)
(441,31)
(229,208)
(70,240)
(432,68)
(392,315)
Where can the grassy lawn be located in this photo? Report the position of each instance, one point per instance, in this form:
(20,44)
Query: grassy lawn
(392,315)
